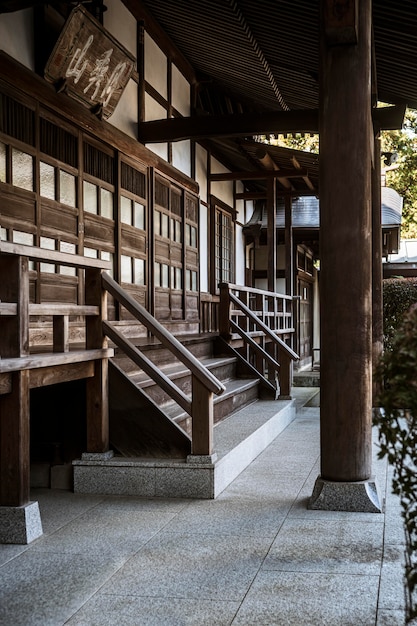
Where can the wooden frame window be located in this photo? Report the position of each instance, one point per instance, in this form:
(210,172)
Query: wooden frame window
(222,245)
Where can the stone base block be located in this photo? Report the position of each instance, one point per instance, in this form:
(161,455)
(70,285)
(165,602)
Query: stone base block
(361,496)
(20,524)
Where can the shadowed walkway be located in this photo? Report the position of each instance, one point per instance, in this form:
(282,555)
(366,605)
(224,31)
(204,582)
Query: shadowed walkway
(254,556)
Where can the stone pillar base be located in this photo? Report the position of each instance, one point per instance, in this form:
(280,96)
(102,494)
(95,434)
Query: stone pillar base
(360,496)
(202,459)
(20,524)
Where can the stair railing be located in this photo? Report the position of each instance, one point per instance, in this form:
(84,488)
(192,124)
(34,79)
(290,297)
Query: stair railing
(204,383)
(262,320)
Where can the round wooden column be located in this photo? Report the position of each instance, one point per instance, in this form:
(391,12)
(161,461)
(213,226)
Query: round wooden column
(345,253)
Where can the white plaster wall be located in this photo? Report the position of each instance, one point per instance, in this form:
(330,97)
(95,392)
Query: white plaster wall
(222,190)
(181,156)
(16,36)
(249,209)
(156,66)
(154,111)
(181,92)
(124,116)
(201,170)
(121,24)
(204,252)
(239,256)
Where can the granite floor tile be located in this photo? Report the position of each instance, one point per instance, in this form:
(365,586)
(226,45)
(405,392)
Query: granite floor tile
(293,599)
(391,594)
(192,566)
(111,530)
(228,515)
(57,507)
(46,589)
(390,618)
(351,547)
(112,610)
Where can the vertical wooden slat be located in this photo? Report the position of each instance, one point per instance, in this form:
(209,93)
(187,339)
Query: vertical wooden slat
(60,333)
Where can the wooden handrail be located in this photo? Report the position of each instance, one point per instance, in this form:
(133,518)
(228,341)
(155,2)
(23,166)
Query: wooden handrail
(36,361)
(52,256)
(146,364)
(270,333)
(255,291)
(166,338)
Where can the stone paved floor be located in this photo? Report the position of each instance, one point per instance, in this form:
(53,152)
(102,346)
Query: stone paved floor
(254,556)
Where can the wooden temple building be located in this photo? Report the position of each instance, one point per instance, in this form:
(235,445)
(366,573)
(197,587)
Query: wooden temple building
(154,278)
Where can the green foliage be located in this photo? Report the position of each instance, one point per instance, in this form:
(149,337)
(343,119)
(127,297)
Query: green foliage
(403,177)
(397,424)
(398,295)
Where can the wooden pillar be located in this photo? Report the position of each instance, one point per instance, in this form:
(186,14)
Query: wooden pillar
(289,248)
(14,406)
(345,249)
(377,272)
(272,234)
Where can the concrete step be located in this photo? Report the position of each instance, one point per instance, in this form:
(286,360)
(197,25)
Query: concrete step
(238,440)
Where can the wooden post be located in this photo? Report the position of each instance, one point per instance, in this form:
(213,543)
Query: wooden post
(224,311)
(377,273)
(289,261)
(272,234)
(97,386)
(284,375)
(202,419)
(345,251)
(14,406)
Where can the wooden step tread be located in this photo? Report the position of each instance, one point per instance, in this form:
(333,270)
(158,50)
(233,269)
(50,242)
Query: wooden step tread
(177,370)
(233,387)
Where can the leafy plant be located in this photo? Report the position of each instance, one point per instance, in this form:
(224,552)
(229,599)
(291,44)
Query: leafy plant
(398,295)
(397,424)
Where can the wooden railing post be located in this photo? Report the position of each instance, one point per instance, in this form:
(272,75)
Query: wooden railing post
(224,313)
(97,386)
(202,419)
(14,406)
(284,375)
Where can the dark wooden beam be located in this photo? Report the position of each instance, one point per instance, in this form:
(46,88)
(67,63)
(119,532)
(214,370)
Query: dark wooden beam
(388,118)
(249,124)
(260,174)
(245,124)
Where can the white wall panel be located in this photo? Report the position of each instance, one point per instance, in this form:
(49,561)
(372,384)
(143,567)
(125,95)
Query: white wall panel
(121,24)
(126,112)
(201,170)
(16,36)
(181,92)
(181,156)
(222,190)
(156,67)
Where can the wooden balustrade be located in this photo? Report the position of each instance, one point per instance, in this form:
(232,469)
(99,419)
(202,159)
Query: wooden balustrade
(204,383)
(263,321)
(22,368)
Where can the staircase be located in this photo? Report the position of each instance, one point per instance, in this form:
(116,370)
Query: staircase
(241,390)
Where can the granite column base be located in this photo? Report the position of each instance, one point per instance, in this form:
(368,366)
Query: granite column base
(360,496)
(20,524)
